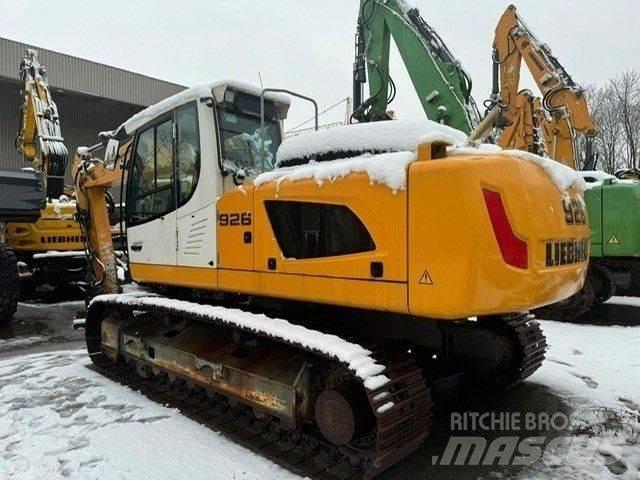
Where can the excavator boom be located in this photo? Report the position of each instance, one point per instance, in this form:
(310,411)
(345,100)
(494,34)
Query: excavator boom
(563,100)
(39,138)
(93,179)
(442,85)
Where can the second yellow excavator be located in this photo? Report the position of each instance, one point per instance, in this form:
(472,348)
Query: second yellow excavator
(50,249)
(549,127)
(559,116)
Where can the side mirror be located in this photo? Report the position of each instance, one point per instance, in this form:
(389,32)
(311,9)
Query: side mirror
(111,151)
(239,176)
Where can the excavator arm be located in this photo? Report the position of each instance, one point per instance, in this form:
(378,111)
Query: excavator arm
(557,136)
(562,99)
(93,177)
(522,131)
(443,87)
(39,139)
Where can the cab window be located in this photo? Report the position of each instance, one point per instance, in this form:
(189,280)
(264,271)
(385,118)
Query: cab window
(187,151)
(243,143)
(151,185)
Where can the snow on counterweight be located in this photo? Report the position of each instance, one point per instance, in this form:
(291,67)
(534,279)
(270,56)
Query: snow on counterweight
(561,175)
(385,168)
(384,151)
(357,358)
(375,137)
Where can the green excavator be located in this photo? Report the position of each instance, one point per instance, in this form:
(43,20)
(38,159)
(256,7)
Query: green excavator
(442,85)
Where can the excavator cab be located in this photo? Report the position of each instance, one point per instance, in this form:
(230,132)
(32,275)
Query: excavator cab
(181,162)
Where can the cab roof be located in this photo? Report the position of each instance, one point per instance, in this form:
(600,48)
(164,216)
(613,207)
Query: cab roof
(216,89)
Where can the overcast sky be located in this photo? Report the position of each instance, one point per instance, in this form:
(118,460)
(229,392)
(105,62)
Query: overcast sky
(306,45)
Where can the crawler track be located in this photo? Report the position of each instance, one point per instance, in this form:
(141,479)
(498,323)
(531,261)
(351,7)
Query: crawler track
(399,410)
(399,428)
(532,345)
(528,348)
(571,309)
(9,280)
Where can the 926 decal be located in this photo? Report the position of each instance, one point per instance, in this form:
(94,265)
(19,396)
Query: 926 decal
(234,219)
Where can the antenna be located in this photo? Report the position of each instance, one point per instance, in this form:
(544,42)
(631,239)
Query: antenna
(260,78)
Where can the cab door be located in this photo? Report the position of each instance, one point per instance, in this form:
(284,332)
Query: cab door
(151,197)
(197,186)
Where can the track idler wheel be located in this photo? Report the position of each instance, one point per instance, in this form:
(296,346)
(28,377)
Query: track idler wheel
(342,414)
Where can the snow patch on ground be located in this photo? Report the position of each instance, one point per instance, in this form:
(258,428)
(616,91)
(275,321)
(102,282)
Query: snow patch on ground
(582,349)
(20,342)
(596,370)
(356,357)
(60,420)
(69,303)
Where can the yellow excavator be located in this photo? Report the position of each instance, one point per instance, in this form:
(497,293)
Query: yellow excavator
(50,250)
(548,126)
(311,295)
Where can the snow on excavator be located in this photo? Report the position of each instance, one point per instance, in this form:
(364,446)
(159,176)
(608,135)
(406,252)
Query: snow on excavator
(401,265)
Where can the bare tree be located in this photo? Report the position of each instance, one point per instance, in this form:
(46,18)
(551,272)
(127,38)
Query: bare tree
(609,139)
(625,88)
(615,109)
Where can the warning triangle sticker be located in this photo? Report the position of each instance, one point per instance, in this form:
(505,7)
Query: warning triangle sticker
(425,279)
(613,240)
